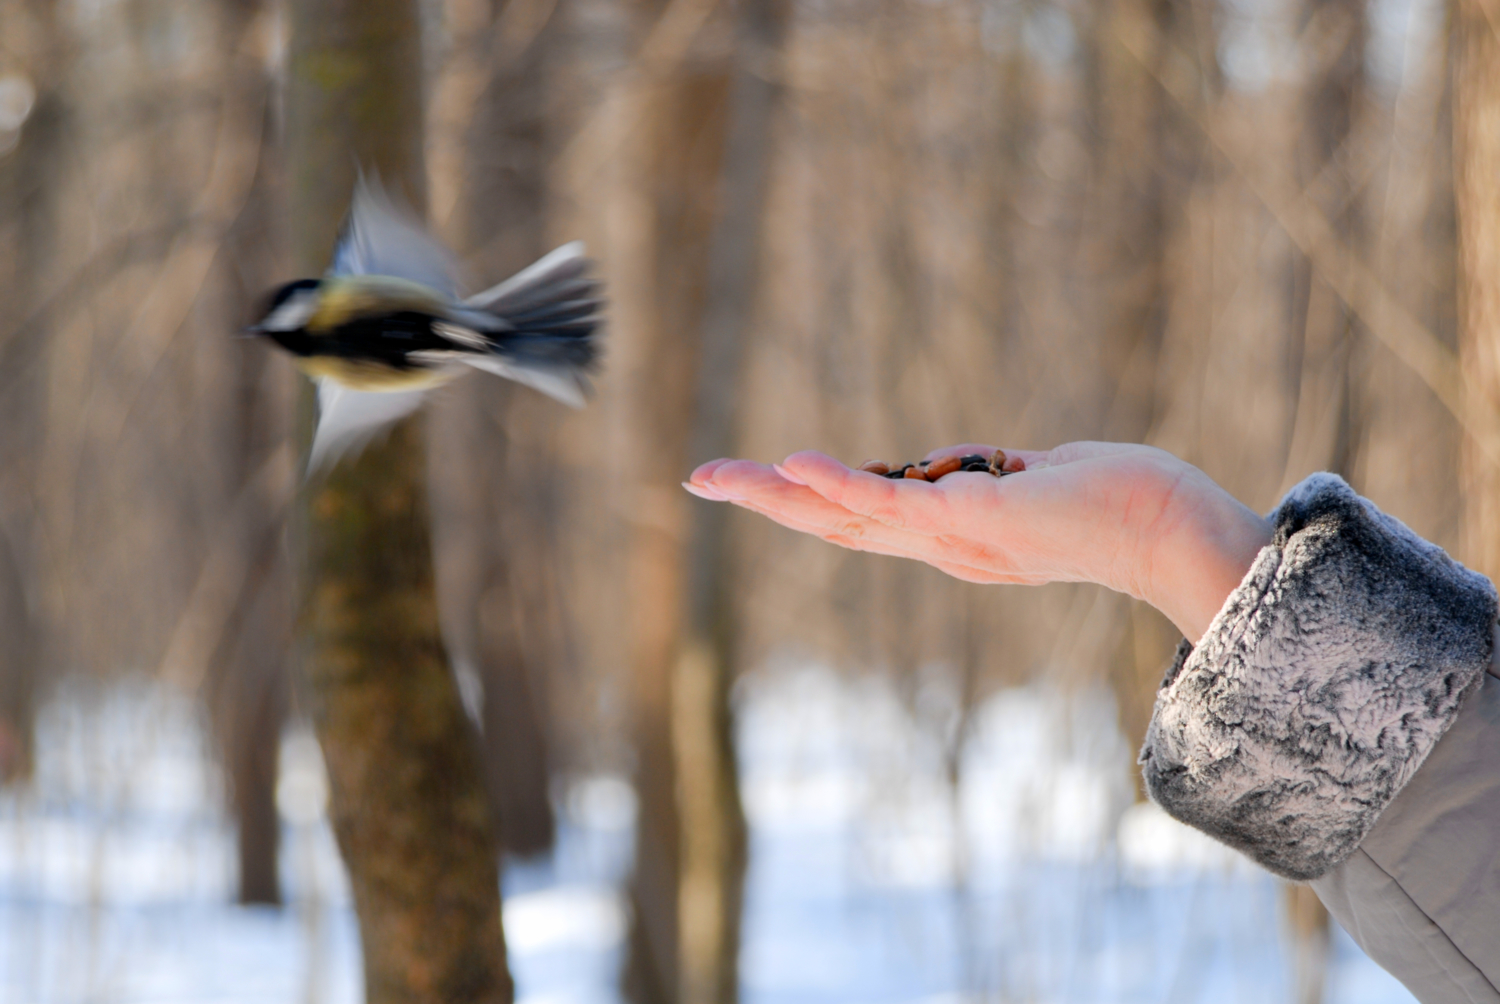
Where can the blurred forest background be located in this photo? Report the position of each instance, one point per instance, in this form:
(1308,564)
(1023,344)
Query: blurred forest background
(1222,227)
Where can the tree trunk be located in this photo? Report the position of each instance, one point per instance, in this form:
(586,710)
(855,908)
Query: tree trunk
(1326,429)
(1476,165)
(494,139)
(253,743)
(712,868)
(1307,919)
(408,801)
(699,156)
(677,156)
(1149,157)
(29,192)
(248,688)
(488,571)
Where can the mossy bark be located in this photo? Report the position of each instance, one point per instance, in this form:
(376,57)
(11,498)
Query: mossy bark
(408,800)
(409,807)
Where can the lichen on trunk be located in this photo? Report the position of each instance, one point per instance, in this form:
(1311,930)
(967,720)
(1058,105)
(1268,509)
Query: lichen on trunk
(408,800)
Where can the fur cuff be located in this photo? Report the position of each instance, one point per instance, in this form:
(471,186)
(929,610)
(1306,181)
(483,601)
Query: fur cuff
(1322,685)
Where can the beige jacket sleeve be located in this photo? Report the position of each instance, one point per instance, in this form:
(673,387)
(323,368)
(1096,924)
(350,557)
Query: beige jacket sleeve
(1421,893)
(1334,725)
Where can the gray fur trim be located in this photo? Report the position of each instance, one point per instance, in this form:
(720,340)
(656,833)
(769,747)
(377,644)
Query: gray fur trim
(1321,686)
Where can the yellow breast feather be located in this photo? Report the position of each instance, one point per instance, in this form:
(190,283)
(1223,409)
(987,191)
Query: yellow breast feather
(362,374)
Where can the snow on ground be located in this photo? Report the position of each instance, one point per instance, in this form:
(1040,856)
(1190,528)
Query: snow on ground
(875,877)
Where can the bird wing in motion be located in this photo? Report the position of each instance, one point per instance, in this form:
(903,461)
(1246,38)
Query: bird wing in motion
(537,326)
(348,418)
(378,238)
(559,382)
(381,239)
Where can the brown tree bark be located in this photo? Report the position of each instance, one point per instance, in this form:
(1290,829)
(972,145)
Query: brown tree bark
(490,575)
(249,676)
(698,159)
(1149,156)
(249,689)
(252,737)
(712,869)
(1476,165)
(408,801)
(497,551)
(1327,428)
(675,167)
(27,192)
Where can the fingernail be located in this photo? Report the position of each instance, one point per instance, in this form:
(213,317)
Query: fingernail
(788,475)
(704,492)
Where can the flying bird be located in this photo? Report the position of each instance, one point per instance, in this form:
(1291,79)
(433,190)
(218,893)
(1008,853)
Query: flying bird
(385,324)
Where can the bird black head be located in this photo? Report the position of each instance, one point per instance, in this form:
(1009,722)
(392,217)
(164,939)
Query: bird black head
(286,292)
(289,307)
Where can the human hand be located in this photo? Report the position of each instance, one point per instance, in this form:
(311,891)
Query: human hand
(1133,518)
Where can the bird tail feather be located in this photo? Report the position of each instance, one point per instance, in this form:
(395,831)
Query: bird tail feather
(549,317)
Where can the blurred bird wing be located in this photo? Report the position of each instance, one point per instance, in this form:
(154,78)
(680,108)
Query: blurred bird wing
(535,283)
(556,382)
(379,238)
(347,419)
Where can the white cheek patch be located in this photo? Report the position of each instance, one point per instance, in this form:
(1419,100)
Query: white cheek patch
(294,313)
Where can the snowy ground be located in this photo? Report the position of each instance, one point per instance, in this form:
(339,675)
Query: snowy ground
(873,879)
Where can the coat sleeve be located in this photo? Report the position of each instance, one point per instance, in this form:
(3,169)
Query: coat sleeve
(1321,686)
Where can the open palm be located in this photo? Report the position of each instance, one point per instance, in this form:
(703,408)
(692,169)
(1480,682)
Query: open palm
(1133,518)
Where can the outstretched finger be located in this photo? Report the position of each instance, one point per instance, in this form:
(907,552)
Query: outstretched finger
(765,490)
(856,535)
(762,488)
(910,505)
(703,472)
(877,540)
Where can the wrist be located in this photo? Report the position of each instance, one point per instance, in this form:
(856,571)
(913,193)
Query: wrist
(1203,557)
